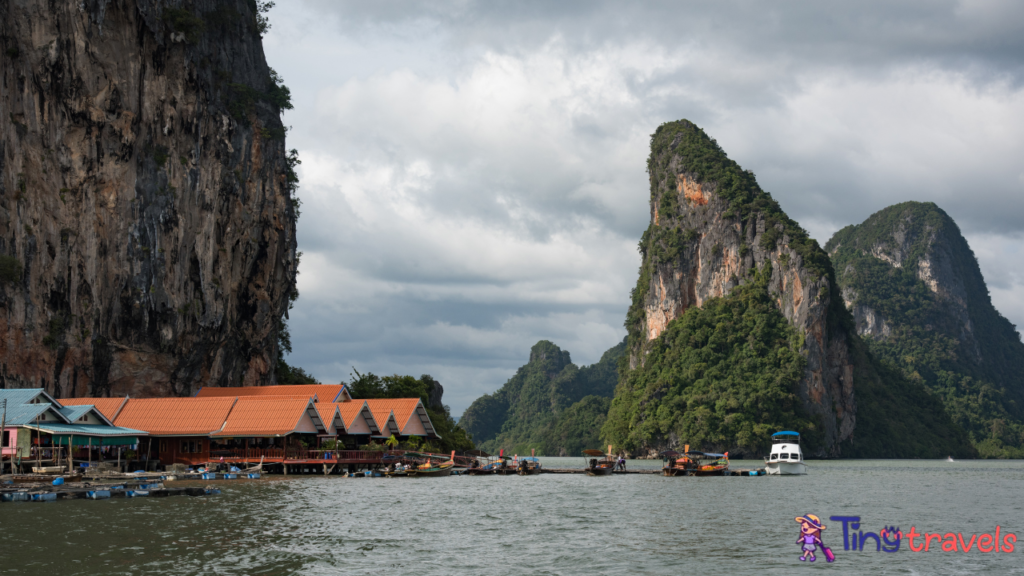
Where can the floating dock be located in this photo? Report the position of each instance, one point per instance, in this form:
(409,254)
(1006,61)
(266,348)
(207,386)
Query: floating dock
(736,472)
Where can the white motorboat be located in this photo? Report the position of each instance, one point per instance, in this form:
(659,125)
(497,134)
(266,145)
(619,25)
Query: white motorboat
(787,458)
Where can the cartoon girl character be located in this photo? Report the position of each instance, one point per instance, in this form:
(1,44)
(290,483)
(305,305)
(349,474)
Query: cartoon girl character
(810,535)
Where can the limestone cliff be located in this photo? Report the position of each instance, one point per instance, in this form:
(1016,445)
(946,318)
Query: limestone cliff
(550,405)
(918,297)
(711,229)
(147,227)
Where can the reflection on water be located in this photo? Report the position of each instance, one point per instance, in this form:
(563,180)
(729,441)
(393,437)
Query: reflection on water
(547,524)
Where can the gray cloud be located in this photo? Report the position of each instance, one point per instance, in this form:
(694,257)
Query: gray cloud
(474,178)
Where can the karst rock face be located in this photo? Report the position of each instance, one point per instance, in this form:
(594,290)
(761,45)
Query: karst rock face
(707,236)
(146,222)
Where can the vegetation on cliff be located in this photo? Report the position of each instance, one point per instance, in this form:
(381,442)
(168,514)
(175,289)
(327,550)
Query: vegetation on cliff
(550,405)
(430,391)
(950,340)
(720,365)
(721,377)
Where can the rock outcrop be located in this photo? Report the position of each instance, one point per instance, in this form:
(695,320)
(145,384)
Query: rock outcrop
(147,226)
(549,405)
(711,228)
(918,296)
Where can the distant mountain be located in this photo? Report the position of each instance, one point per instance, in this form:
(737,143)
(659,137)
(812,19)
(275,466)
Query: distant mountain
(736,329)
(920,302)
(549,405)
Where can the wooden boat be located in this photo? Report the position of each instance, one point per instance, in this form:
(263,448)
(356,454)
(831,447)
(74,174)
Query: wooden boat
(44,478)
(678,463)
(431,472)
(603,467)
(429,469)
(709,463)
(528,466)
(786,459)
(485,464)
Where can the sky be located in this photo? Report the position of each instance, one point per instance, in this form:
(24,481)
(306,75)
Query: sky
(473,173)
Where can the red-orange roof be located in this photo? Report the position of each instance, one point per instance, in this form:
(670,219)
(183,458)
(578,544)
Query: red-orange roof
(332,420)
(383,414)
(351,410)
(323,392)
(403,408)
(107,406)
(269,417)
(175,416)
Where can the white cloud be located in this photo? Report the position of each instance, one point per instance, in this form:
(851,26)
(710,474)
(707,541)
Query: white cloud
(474,180)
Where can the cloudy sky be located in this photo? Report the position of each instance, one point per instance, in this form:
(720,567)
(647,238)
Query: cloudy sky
(473,173)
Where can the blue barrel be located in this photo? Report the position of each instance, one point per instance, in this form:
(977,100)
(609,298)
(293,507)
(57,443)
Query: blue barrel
(15,497)
(137,493)
(98,494)
(48,497)
(254,475)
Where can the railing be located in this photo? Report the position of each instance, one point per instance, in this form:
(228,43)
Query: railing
(271,454)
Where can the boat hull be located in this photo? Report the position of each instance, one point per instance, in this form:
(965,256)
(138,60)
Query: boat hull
(785,468)
(599,471)
(479,472)
(721,472)
(430,473)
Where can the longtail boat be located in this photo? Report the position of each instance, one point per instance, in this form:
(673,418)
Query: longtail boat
(528,466)
(595,467)
(710,464)
(430,469)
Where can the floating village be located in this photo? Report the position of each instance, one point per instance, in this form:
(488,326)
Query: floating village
(131,447)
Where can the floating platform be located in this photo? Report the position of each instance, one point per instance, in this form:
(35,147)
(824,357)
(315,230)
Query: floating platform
(733,472)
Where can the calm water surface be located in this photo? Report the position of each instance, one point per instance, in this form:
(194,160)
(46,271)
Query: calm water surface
(548,524)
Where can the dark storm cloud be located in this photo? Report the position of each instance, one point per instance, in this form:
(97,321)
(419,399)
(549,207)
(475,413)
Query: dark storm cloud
(474,181)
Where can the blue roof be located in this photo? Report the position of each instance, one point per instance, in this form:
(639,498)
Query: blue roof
(73,413)
(23,414)
(25,396)
(785,434)
(88,430)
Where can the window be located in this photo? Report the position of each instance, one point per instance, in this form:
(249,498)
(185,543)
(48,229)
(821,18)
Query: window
(775,456)
(7,438)
(163,445)
(784,457)
(184,447)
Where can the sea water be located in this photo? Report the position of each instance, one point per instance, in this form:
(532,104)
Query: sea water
(546,524)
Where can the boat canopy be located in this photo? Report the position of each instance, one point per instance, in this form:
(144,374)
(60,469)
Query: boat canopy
(787,433)
(592,452)
(530,459)
(670,453)
(705,454)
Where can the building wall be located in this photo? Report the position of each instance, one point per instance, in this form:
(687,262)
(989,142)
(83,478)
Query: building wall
(190,450)
(414,427)
(12,442)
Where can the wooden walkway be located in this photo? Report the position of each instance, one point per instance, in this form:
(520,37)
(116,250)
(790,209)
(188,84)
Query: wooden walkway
(737,472)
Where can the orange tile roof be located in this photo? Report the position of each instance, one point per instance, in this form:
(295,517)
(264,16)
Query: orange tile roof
(175,416)
(403,408)
(383,413)
(323,392)
(107,406)
(330,417)
(351,410)
(266,416)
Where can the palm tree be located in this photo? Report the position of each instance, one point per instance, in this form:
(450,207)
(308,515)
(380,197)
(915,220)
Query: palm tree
(391,442)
